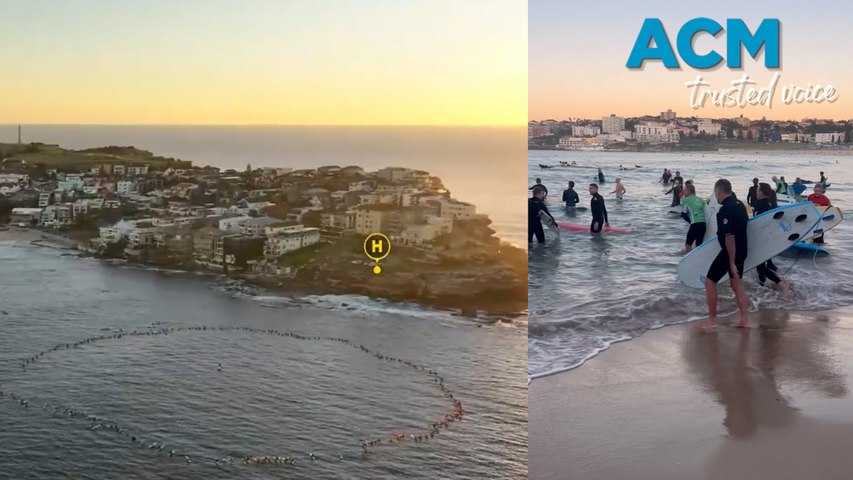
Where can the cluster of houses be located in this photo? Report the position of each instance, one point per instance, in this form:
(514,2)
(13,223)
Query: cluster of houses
(582,134)
(230,219)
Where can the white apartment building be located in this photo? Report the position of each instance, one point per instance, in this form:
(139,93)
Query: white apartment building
(667,116)
(233,224)
(290,240)
(393,174)
(655,133)
(834,137)
(709,128)
(612,124)
(343,221)
(139,237)
(124,187)
(138,170)
(586,131)
(368,219)
(456,210)
(421,235)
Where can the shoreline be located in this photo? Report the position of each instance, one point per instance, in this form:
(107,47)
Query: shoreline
(690,404)
(282,285)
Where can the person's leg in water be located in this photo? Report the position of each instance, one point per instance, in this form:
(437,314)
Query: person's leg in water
(540,233)
(781,282)
(717,270)
(595,226)
(740,294)
(762,273)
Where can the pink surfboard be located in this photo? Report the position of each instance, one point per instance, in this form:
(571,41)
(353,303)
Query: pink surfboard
(585,228)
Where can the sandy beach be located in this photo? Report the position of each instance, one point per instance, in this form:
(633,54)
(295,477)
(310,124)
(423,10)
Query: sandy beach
(768,402)
(28,235)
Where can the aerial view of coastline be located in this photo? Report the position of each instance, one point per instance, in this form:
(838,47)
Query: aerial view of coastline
(192,198)
(689,266)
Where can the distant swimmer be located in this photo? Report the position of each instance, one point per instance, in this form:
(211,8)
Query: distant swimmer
(599,211)
(218,367)
(751,196)
(732,236)
(539,184)
(695,215)
(570,196)
(619,190)
(600,175)
(535,205)
(767,270)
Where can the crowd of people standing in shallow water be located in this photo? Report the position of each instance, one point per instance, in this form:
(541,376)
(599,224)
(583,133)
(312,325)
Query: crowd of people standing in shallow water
(455,413)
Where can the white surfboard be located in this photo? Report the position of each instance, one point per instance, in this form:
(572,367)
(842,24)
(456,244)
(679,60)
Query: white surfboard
(711,209)
(549,222)
(830,217)
(768,235)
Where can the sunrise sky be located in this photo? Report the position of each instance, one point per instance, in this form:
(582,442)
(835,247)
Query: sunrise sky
(578,54)
(329,62)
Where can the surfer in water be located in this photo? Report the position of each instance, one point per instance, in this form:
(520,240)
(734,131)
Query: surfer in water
(823,180)
(599,212)
(751,196)
(539,184)
(678,178)
(600,175)
(676,194)
(821,200)
(535,205)
(731,234)
(797,188)
(781,186)
(765,202)
(570,196)
(665,177)
(695,215)
(619,190)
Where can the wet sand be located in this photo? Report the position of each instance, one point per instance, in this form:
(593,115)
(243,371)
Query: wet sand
(768,402)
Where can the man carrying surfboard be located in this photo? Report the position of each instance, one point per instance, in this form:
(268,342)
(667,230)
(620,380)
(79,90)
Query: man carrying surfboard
(731,234)
(599,212)
(535,205)
(570,196)
(695,215)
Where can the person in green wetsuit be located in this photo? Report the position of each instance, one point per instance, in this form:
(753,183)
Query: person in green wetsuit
(694,212)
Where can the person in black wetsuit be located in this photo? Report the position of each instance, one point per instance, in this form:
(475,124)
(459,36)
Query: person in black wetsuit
(535,205)
(600,176)
(599,212)
(539,184)
(751,197)
(731,234)
(678,178)
(570,196)
(765,202)
(676,194)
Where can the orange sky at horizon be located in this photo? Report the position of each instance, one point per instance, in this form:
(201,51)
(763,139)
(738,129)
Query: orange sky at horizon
(265,62)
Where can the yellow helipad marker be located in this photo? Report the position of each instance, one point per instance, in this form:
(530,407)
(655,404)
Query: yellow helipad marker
(376,247)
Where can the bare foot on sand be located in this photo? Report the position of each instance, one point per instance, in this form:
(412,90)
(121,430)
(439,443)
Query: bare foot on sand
(708,326)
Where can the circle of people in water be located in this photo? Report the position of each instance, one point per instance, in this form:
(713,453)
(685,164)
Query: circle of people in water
(454,414)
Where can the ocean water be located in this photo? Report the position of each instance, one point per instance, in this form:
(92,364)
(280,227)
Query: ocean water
(587,292)
(479,165)
(267,376)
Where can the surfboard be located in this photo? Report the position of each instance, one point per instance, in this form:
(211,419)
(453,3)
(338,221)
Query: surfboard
(809,248)
(830,217)
(768,235)
(585,228)
(548,222)
(675,209)
(578,209)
